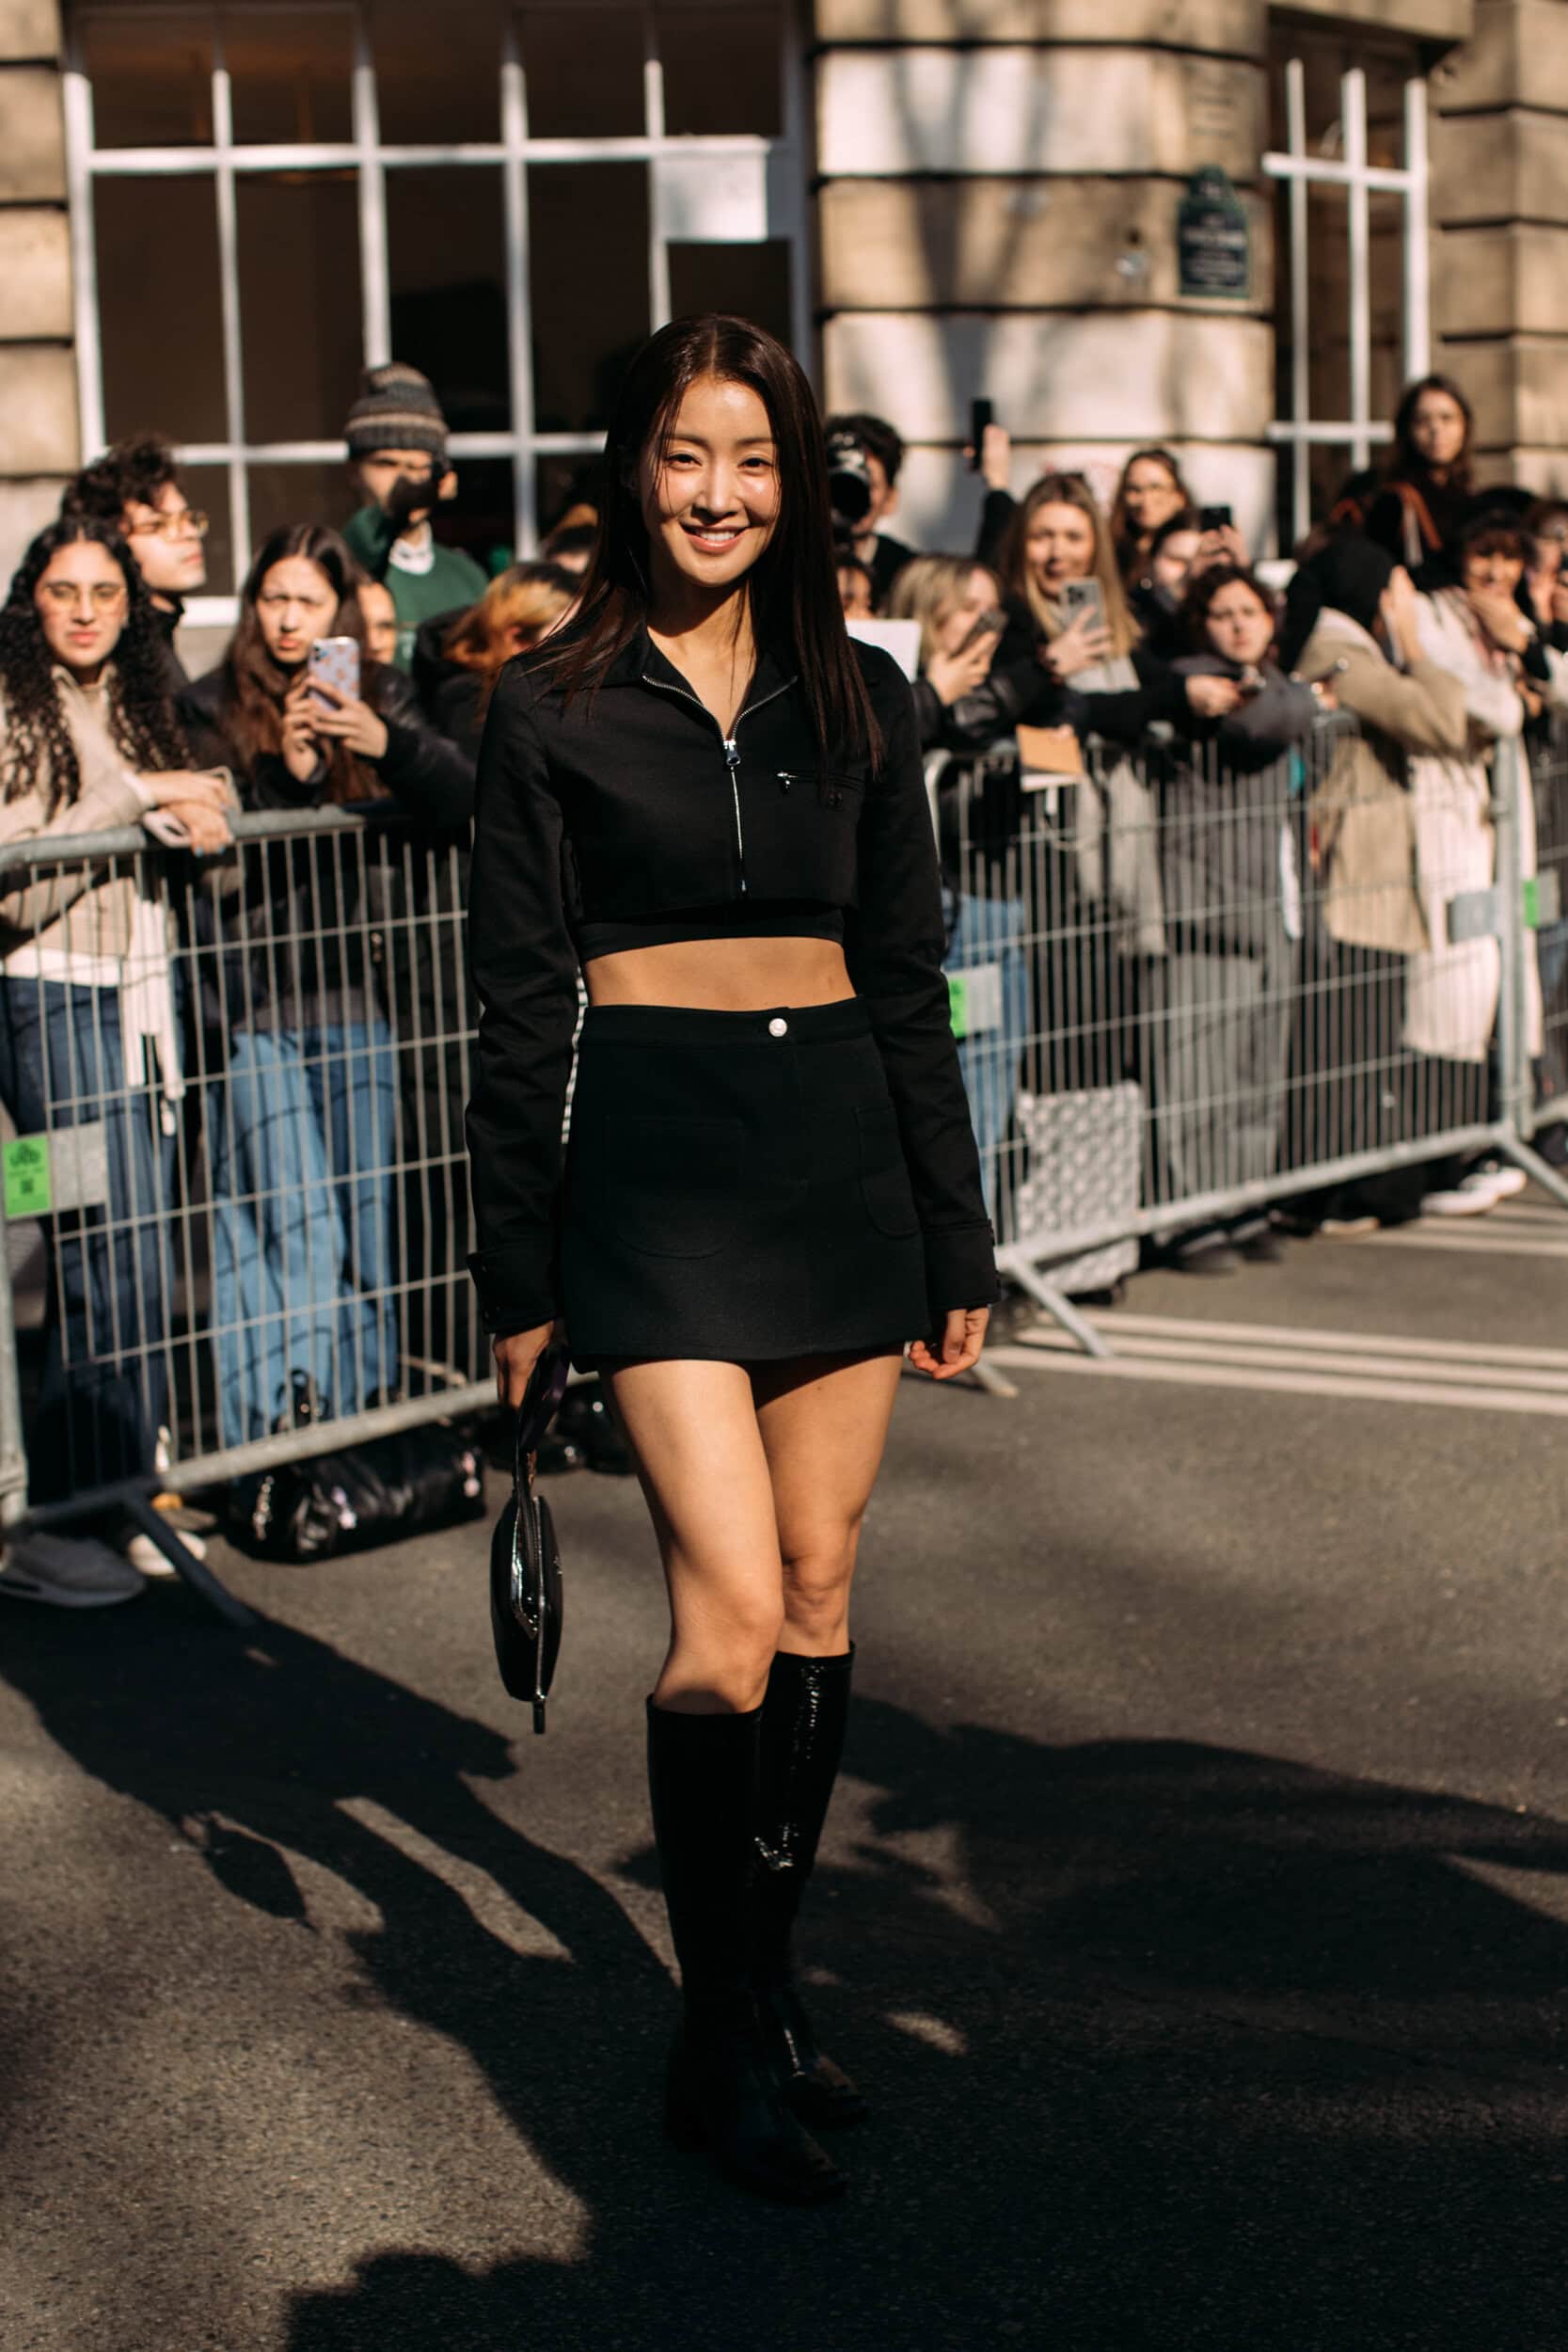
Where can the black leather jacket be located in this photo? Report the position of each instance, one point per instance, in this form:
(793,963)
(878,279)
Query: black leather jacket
(632,803)
(305,938)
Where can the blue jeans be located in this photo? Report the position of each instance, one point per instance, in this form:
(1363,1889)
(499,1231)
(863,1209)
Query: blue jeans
(303,1186)
(991,931)
(104,1392)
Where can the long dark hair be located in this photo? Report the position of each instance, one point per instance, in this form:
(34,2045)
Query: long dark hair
(1406,464)
(37,746)
(792,586)
(255,685)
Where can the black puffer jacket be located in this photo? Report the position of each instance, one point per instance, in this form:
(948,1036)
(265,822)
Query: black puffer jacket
(631,804)
(308,930)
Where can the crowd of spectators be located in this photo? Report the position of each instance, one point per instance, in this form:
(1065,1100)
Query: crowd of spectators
(1141,917)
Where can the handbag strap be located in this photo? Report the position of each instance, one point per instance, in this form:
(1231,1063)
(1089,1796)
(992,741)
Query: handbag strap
(541,1402)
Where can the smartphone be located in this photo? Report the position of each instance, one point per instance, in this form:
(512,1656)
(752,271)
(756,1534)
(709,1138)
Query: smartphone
(990,624)
(1081,598)
(337,661)
(980,415)
(1214,519)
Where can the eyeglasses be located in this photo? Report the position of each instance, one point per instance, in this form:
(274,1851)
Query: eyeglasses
(190,519)
(105,596)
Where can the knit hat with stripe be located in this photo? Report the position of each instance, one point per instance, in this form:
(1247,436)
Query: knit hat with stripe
(397,409)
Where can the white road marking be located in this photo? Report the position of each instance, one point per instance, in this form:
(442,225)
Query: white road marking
(1288,1360)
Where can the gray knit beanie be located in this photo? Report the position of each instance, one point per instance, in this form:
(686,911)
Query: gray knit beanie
(397,409)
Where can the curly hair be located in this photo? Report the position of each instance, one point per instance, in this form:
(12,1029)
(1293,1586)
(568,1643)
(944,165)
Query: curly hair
(133,473)
(255,685)
(1207,586)
(36,746)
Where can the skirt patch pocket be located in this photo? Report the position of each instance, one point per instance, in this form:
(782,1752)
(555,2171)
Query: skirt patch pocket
(885,1179)
(670,1186)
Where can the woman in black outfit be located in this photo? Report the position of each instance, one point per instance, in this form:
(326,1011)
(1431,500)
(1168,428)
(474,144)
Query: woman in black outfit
(1427,493)
(704,792)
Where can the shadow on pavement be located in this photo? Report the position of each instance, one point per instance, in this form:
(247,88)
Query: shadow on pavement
(1187,2047)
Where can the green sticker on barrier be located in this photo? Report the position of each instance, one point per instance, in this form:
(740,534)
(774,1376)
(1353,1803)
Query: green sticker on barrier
(956,1011)
(1532,904)
(26,1176)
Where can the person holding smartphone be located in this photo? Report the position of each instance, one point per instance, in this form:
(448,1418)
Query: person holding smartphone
(304,1158)
(88,1017)
(397,447)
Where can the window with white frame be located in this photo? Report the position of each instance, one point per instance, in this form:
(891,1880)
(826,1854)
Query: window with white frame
(1349,155)
(267,198)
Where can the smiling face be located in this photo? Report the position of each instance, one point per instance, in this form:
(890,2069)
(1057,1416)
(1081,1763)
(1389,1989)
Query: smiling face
(1239,623)
(1437,429)
(81,604)
(1151,495)
(710,496)
(1493,567)
(1059,547)
(294,604)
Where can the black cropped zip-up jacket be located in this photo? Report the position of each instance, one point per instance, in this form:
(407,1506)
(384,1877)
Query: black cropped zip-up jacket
(632,803)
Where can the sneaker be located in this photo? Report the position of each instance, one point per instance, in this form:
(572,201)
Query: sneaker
(1467,1199)
(67,1572)
(1500,1179)
(146,1557)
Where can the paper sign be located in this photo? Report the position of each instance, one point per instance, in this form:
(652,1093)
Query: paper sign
(975,999)
(66,1170)
(26,1176)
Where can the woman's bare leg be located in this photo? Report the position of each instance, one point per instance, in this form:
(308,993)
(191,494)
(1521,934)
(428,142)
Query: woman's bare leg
(693,1428)
(824,1427)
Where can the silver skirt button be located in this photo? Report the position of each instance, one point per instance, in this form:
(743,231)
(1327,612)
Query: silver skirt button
(777,1027)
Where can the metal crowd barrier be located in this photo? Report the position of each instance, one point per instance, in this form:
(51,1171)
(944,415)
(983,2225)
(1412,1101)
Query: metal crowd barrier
(1174,1008)
(235,1183)
(243,1166)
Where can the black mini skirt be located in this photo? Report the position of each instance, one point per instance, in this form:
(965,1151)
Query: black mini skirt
(735,1189)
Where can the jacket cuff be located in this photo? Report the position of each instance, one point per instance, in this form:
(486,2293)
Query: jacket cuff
(516,1287)
(960,1268)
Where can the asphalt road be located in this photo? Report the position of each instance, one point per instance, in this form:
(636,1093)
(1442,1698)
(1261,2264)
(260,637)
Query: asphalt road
(1195,1908)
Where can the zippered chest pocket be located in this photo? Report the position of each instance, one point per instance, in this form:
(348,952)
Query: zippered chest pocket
(831,787)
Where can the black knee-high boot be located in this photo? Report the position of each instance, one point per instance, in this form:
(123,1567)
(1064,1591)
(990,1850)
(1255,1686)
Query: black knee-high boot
(723,2094)
(803,1717)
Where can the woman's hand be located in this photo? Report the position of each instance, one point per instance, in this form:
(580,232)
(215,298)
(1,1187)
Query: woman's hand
(1226,546)
(516,1354)
(207,828)
(1212,697)
(996,457)
(176,787)
(956,1348)
(954,675)
(301,753)
(348,722)
(1083,645)
(1501,618)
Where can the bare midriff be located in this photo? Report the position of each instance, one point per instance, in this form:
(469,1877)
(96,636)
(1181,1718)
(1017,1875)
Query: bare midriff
(722,975)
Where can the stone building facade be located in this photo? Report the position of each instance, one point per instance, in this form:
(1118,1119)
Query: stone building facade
(941,199)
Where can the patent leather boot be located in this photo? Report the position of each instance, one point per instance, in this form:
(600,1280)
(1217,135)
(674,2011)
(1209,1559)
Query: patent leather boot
(803,1717)
(721,2094)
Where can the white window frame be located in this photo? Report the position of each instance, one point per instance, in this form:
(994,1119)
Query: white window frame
(1298,167)
(778,163)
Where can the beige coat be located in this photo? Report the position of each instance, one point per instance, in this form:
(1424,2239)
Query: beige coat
(1364,815)
(73,910)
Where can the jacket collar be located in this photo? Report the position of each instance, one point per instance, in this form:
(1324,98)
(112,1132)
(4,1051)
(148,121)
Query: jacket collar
(640,661)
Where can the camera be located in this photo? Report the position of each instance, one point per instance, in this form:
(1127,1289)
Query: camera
(849,479)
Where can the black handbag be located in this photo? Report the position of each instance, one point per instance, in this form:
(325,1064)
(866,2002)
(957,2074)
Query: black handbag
(405,1484)
(525,1557)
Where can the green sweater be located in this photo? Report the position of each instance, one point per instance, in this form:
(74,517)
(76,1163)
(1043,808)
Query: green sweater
(453,583)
